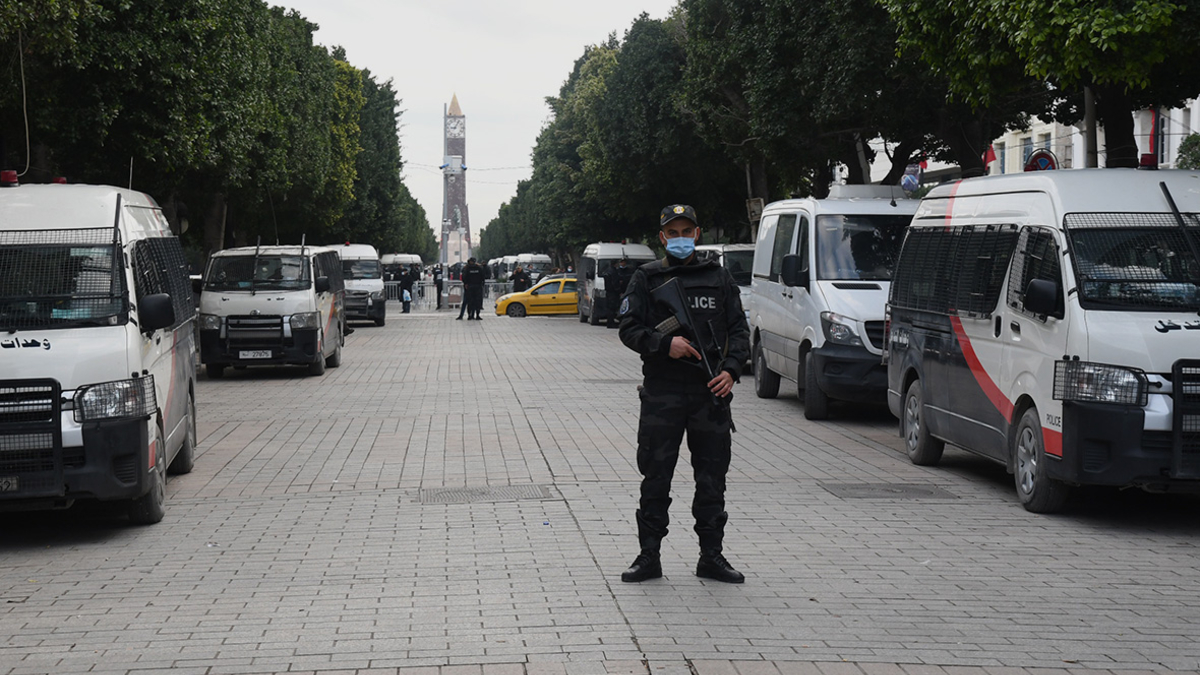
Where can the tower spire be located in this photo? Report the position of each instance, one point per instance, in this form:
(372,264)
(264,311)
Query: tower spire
(454,111)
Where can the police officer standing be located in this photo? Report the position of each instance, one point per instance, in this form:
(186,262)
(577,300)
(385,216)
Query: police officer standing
(473,278)
(437,284)
(679,395)
(616,280)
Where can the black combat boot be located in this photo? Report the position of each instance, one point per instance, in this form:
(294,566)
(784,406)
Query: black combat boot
(713,565)
(645,566)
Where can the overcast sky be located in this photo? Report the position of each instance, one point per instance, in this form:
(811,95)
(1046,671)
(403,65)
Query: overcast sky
(502,59)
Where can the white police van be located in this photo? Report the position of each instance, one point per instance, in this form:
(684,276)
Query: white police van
(822,269)
(594,262)
(1051,321)
(270,305)
(97,354)
(362,272)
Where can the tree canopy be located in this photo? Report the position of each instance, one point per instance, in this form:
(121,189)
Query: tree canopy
(225,111)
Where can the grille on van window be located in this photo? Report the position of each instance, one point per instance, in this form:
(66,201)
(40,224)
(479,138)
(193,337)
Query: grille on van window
(30,439)
(1185,457)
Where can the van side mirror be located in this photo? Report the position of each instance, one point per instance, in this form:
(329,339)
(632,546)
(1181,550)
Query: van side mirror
(1041,297)
(197,284)
(322,284)
(156,311)
(591,275)
(794,271)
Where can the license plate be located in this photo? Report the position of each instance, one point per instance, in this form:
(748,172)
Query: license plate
(10,483)
(255,354)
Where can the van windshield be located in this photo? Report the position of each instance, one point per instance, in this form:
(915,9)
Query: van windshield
(259,273)
(854,247)
(361,269)
(60,279)
(1151,265)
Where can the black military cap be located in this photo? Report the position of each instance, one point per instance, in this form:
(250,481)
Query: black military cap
(677,211)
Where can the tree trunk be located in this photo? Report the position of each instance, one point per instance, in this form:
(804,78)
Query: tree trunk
(1115,112)
(214,225)
(901,158)
(966,141)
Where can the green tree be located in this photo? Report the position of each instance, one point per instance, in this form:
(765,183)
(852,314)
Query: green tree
(1189,153)
(1130,53)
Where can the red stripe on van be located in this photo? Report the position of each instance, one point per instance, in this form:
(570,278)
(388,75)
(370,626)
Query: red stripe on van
(950,203)
(988,386)
(1052,441)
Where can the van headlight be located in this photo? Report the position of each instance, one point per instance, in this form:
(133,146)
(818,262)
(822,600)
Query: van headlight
(305,320)
(840,329)
(377,295)
(210,322)
(1099,383)
(126,399)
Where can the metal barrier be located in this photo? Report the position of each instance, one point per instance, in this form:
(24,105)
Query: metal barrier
(424,294)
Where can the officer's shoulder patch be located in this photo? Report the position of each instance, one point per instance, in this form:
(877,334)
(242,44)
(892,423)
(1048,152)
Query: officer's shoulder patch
(624,306)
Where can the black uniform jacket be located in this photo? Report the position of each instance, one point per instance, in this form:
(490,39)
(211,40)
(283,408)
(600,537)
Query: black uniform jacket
(473,275)
(715,304)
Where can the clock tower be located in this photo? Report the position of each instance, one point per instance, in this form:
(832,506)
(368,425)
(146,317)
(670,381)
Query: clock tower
(456,226)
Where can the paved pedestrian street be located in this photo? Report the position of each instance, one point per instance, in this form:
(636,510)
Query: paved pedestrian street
(457,499)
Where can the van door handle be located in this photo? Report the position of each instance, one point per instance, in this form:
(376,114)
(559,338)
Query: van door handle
(996,328)
(1015,327)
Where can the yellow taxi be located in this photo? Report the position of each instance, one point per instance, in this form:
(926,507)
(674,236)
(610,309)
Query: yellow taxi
(549,296)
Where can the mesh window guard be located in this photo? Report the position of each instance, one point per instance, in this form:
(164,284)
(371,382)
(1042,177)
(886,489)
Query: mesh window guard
(159,267)
(60,278)
(1136,261)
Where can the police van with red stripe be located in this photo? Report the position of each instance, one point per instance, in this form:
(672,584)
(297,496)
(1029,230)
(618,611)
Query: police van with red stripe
(97,354)
(1051,321)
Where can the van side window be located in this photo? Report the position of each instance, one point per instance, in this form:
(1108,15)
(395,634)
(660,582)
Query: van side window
(920,281)
(784,234)
(982,256)
(160,267)
(1037,258)
(956,270)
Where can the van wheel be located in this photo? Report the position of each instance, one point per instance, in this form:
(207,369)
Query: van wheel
(922,449)
(766,383)
(380,320)
(335,359)
(317,367)
(583,317)
(215,371)
(185,459)
(816,403)
(151,507)
(593,318)
(516,309)
(1037,491)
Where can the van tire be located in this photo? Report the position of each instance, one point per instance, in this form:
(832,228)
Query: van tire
(317,367)
(766,383)
(582,317)
(816,403)
(152,506)
(380,320)
(215,371)
(185,459)
(1037,491)
(922,449)
(335,359)
(593,319)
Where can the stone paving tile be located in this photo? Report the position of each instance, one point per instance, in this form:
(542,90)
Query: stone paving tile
(306,538)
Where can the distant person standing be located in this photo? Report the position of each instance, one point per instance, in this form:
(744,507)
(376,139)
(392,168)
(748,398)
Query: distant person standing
(406,288)
(473,278)
(616,280)
(437,284)
(519,279)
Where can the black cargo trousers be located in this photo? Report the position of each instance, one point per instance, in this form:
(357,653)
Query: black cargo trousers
(666,415)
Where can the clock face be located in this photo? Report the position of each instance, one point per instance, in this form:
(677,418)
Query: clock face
(455,127)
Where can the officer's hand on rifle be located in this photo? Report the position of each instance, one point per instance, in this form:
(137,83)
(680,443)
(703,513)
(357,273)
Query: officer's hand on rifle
(681,347)
(722,384)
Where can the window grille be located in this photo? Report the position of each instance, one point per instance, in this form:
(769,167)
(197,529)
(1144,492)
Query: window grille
(56,278)
(159,267)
